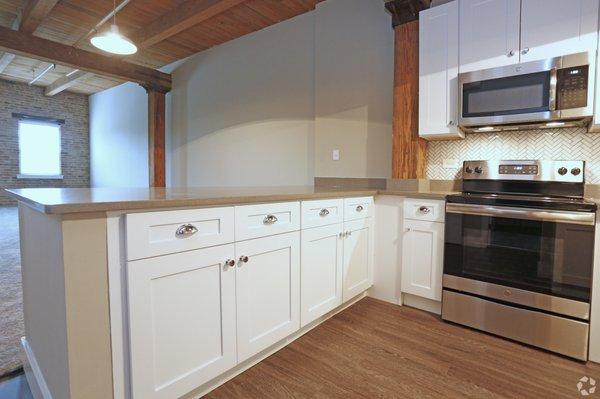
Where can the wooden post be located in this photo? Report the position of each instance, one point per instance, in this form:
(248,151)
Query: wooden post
(409,152)
(156,137)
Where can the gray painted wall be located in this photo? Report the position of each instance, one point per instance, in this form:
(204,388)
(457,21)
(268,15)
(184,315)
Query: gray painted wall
(119,137)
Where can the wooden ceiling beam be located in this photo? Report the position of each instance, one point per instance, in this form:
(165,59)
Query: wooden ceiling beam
(66,82)
(6,58)
(35,12)
(183,17)
(46,50)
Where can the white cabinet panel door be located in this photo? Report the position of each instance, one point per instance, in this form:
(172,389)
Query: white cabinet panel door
(321,271)
(552,28)
(489,33)
(267,292)
(182,321)
(358,257)
(438,72)
(422,258)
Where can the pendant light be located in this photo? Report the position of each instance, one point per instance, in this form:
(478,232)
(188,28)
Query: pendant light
(112,41)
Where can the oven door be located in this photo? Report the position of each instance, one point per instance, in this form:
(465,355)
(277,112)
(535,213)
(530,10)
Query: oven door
(511,94)
(533,251)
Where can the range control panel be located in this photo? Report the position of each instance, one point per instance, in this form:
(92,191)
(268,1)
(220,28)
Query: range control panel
(558,171)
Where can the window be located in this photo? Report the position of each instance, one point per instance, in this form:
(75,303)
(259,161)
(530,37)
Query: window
(39,150)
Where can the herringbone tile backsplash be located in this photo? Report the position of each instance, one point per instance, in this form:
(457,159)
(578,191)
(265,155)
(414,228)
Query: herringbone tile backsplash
(554,144)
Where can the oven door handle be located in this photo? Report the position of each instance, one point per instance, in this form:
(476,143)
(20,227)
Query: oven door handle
(553,93)
(571,217)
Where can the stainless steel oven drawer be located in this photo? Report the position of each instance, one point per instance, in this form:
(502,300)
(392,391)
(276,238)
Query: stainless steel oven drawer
(554,333)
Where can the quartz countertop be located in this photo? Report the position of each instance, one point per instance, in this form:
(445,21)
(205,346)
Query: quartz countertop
(82,200)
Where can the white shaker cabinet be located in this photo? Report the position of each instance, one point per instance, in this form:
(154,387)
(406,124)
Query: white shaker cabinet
(489,33)
(321,277)
(552,28)
(358,257)
(182,321)
(438,72)
(267,291)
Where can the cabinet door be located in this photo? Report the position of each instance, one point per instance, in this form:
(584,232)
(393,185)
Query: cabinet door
(552,28)
(438,71)
(321,271)
(358,257)
(181,321)
(268,292)
(489,33)
(422,258)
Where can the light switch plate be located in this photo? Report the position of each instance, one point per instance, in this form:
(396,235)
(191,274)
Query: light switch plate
(335,155)
(450,164)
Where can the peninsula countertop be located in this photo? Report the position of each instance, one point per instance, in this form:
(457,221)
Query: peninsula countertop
(83,200)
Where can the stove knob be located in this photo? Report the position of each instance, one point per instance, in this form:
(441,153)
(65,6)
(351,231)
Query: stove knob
(478,169)
(468,169)
(562,171)
(575,171)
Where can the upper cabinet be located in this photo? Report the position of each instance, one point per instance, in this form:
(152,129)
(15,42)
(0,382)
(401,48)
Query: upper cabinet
(489,33)
(495,33)
(438,72)
(551,28)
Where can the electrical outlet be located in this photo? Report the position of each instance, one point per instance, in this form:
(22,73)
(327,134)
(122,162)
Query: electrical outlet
(335,155)
(450,164)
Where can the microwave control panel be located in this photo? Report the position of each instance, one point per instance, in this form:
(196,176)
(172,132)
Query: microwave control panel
(572,87)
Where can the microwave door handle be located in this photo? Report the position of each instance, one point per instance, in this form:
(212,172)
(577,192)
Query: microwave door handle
(553,91)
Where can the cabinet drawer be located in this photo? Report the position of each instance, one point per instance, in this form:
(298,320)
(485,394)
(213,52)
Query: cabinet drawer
(358,208)
(322,212)
(159,233)
(421,209)
(253,221)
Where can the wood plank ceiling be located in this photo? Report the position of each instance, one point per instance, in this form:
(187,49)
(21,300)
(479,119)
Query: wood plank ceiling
(164,30)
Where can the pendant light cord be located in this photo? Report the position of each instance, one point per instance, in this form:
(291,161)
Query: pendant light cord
(114,12)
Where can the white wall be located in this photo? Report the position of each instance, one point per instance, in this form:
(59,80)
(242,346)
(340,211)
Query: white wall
(119,137)
(354,66)
(243,111)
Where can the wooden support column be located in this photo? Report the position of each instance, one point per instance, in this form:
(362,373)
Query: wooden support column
(156,137)
(409,152)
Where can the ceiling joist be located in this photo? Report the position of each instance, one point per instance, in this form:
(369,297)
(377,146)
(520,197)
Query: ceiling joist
(183,17)
(46,50)
(34,13)
(66,82)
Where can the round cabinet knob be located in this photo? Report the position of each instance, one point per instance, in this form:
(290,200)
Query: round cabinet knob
(359,208)
(230,263)
(575,171)
(243,259)
(478,170)
(525,50)
(562,171)
(468,170)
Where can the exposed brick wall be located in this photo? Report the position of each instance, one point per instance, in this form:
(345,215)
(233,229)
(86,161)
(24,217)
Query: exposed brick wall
(75,144)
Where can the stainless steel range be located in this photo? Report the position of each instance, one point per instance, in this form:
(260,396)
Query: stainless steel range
(519,249)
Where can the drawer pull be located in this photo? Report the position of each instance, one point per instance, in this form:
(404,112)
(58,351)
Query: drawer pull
(244,259)
(424,209)
(230,263)
(270,219)
(186,230)
(359,208)
(324,212)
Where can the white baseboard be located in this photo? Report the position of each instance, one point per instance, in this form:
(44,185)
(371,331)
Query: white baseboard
(33,373)
(240,368)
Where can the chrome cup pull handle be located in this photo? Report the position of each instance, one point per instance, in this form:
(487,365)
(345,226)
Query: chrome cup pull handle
(324,212)
(270,219)
(424,209)
(360,208)
(186,230)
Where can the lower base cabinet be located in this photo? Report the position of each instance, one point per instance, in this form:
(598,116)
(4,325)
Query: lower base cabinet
(268,291)
(182,316)
(422,258)
(358,257)
(322,271)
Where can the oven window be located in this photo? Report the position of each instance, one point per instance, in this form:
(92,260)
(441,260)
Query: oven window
(507,96)
(546,257)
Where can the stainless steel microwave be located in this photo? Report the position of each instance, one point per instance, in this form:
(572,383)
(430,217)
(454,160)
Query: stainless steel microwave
(547,93)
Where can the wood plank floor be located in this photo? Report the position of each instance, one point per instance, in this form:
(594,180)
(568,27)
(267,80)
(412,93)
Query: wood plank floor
(378,350)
